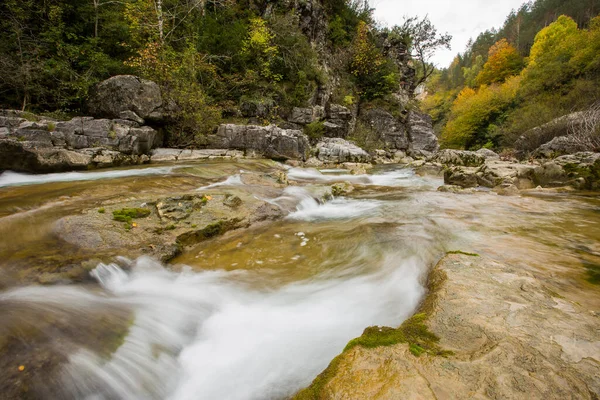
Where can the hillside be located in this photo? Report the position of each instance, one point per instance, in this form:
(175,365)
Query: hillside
(542,64)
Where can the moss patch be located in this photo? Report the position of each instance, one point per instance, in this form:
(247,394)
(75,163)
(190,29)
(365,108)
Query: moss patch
(413,331)
(209,231)
(128,214)
(463,253)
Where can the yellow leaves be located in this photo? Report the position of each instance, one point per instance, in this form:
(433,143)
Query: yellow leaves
(208,198)
(21,368)
(259,47)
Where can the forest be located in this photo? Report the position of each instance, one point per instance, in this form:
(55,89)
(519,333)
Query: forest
(543,63)
(211,58)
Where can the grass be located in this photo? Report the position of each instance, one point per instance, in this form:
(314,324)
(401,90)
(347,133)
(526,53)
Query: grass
(101,210)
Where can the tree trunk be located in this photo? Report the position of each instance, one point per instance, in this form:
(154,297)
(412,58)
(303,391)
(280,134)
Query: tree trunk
(160,17)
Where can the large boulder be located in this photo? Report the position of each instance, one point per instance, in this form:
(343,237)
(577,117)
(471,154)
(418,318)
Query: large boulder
(337,150)
(387,128)
(420,132)
(269,141)
(538,136)
(127,97)
(558,146)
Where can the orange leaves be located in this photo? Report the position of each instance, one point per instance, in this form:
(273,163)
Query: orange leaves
(503,61)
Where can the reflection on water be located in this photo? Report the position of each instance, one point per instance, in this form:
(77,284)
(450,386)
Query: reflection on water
(256,314)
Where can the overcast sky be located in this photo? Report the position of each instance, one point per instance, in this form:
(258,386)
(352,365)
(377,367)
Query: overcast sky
(463,19)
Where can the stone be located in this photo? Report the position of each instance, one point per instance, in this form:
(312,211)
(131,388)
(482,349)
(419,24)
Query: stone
(257,108)
(304,116)
(387,128)
(270,141)
(127,97)
(557,147)
(339,121)
(462,158)
(465,177)
(488,154)
(337,150)
(421,133)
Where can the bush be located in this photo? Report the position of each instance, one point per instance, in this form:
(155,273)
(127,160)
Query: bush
(314,131)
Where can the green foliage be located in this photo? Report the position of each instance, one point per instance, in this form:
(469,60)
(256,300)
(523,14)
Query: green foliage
(561,76)
(259,49)
(374,74)
(101,210)
(315,131)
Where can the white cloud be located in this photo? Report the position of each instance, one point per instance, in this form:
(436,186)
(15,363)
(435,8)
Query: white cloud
(463,19)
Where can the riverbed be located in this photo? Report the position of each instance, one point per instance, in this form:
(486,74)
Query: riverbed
(258,312)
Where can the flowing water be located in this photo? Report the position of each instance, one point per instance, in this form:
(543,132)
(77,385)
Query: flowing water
(256,313)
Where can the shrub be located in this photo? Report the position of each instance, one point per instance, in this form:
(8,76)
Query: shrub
(315,131)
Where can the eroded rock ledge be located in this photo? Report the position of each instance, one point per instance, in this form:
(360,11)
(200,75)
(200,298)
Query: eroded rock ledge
(502,335)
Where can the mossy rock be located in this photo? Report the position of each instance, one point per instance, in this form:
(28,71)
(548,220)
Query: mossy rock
(128,214)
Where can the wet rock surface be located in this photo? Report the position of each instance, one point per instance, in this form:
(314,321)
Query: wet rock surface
(505,334)
(167,225)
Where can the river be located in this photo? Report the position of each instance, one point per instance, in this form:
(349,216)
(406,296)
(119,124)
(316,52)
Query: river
(256,313)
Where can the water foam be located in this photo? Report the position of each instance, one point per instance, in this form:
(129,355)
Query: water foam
(10,178)
(234,180)
(213,335)
(394,178)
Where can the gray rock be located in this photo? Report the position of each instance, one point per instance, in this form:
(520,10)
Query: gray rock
(339,120)
(387,128)
(458,158)
(270,141)
(420,132)
(127,97)
(304,116)
(337,150)
(465,177)
(488,154)
(558,146)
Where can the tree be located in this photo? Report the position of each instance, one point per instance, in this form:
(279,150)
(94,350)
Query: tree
(423,41)
(503,61)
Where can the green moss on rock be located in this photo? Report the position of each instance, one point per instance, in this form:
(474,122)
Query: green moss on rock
(128,214)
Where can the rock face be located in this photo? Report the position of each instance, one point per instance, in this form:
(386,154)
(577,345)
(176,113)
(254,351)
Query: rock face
(38,144)
(127,97)
(268,141)
(503,335)
(420,132)
(336,150)
(387,129)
